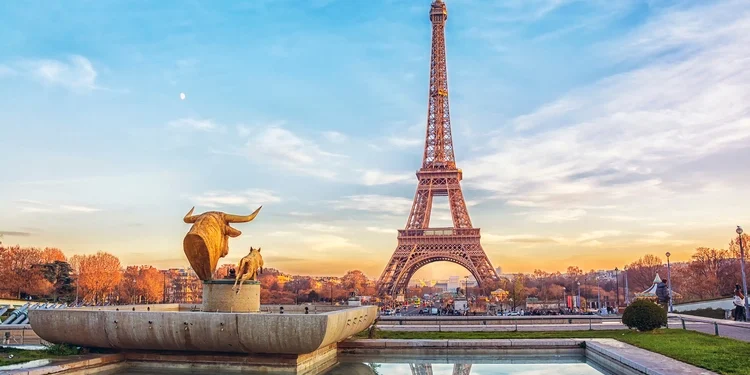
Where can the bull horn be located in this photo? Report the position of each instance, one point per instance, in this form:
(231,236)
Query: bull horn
(189,218)
(241,219)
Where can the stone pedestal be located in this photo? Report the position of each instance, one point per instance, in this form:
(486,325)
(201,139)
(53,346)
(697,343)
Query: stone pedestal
(219,296)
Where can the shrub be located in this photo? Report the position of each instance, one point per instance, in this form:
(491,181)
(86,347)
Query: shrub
(63,349)
(644,315)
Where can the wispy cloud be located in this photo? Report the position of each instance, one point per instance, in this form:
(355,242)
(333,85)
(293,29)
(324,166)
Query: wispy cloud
(14,234)
(282,147)
(405,142)
(376,177)
(596,235)
(318,227)
(79,208)
(329,242)
(623,140)
(34,206)
(204,125)
(248,198)
(6,71)
(374,203)
(76,73)
(381,230)
(335,137)
(516,238)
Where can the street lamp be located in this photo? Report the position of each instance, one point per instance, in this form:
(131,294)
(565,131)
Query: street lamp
(742,267)
(565,296)
(627,290)
(669,280)
(617,292)
(579,293)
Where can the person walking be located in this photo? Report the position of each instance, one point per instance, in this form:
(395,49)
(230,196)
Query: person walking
(739,305)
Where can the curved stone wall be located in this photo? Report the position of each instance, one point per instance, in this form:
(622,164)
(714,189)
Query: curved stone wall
(201,331)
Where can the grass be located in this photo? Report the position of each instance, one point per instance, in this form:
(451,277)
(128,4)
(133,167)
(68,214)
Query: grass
(718,354)
(21,356)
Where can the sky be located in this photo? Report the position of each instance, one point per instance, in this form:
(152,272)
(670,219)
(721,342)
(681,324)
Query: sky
(589,132)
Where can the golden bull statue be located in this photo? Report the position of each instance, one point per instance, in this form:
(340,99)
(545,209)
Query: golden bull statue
(208,239)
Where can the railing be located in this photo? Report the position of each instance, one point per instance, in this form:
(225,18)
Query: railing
(438,232)
(715,323)
(488,320)
(21,334)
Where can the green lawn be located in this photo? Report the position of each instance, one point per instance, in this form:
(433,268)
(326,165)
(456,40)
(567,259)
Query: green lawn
(718,354)
(20,355)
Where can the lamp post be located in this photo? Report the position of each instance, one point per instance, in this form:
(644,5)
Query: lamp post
(565,296)
(598,295)
(669,280)
(579,293)
(627,290)
(742,267)
(617,292)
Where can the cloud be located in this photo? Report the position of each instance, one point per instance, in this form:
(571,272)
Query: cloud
(556,216)
(317,227)
(660,234)
(335,137)
(328,242)
(374,203)
(79,208)
(282,233)
(248,198)
(193,124)
(624,140)
(516,238)
(6,71)
(381,230)
(243,131)
(16,234)
(376,177)
(598,234)
(280,146)
(77,73)
(34,206)
(405,142)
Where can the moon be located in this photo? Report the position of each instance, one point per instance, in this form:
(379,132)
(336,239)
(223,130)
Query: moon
(182,96)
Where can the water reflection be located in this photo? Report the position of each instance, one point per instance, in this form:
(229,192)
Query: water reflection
(456,365)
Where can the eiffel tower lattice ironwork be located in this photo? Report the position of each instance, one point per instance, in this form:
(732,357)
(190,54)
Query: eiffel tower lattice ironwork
(426,368)
(418,244)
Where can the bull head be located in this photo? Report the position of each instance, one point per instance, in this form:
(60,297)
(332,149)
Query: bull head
(208,239)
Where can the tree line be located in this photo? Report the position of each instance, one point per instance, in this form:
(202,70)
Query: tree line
(47,274)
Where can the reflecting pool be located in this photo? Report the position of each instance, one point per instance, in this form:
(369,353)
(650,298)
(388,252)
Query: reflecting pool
(431,365)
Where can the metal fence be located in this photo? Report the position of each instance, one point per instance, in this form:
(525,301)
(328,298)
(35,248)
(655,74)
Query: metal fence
(724,328)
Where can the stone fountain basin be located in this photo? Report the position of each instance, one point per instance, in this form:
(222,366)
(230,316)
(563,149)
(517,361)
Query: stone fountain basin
(201,331)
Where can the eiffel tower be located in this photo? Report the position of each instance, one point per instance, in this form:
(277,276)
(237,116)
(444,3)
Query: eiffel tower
(426,368)
(418,244)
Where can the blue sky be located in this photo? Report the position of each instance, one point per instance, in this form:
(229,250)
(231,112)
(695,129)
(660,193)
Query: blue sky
(589,132)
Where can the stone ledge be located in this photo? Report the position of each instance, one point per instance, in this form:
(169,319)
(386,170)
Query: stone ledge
(78,363)
(454,343)
(642,360)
